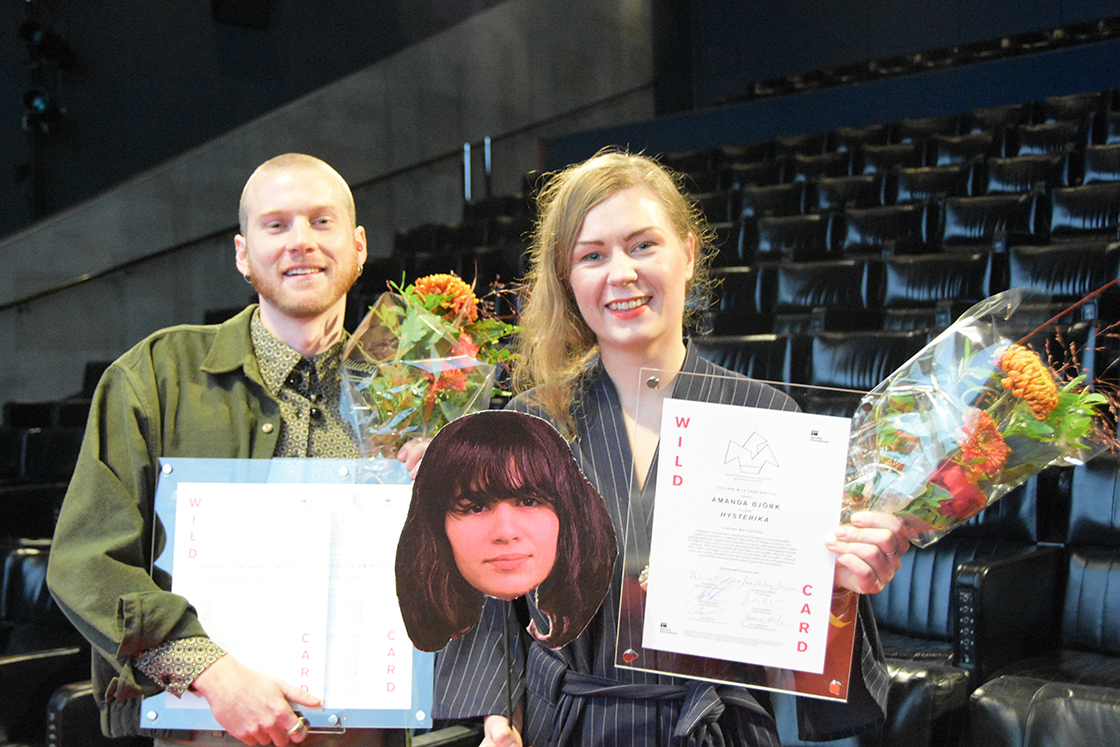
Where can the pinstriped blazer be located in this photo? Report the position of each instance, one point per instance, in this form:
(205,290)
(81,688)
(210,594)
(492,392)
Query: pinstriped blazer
(471,671)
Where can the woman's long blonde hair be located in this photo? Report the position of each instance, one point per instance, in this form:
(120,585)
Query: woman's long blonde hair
(555,344)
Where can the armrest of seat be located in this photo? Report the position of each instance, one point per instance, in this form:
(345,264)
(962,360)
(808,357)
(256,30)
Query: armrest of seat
(998,711)
(73,720)
(27,682)
(927,704)
(1002,240)
(1007,607)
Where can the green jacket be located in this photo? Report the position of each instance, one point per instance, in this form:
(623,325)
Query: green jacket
(187,391)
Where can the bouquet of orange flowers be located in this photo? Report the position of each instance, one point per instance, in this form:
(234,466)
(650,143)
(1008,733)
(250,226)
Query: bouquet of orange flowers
(970,417)
(425,354)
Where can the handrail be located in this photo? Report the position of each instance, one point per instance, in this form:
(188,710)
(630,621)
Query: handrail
(105,272)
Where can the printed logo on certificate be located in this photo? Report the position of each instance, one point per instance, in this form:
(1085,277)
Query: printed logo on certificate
(738,569)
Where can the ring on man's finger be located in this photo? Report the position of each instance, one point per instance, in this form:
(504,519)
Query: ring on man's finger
(300,723)
(892,553)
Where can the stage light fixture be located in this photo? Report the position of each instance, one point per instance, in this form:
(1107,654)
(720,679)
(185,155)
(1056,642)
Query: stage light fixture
(47,42)
(32,32)
(40,110)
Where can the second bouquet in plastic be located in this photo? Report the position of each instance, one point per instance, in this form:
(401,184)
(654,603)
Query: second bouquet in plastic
(425,354)
(970,417)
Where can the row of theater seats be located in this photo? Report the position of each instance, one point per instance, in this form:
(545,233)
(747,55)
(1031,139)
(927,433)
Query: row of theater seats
(487,246)
(481,265)
(35,468)
(901,184)
(1055,125)
(828,372)
(39,444)
(487,249)
(925,291)
(487,221)
(45,695)
(44,661)
(846,191)
(1029,42)
(928,225)
(970,164)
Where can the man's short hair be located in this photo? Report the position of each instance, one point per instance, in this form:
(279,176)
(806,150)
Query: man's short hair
(292,162)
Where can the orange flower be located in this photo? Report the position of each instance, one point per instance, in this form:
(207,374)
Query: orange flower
(452,378)
(983,450)
(1028,378)
(461,300)
(465,346)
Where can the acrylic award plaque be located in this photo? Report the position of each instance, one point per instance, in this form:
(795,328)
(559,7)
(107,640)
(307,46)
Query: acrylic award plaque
(726,576)
(289,564)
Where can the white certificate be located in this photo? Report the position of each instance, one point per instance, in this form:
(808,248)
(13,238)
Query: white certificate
(738,569)
(235,582)
(333,554)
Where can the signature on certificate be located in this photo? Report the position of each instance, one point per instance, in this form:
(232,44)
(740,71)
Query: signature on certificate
(738,598)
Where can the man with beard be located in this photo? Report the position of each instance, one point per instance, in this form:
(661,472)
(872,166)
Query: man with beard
(263,384)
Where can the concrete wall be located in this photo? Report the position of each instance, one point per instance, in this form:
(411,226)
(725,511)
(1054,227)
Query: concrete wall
(159,248)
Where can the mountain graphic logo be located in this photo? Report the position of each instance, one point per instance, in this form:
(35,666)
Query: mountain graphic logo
(751,456)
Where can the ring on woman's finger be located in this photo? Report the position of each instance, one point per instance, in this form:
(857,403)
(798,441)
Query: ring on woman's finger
(300,723)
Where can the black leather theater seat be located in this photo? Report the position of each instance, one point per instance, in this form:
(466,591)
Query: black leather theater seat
(40,649)
(1069,693)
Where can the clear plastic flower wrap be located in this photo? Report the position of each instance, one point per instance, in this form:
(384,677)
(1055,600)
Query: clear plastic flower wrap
(425,354)
(973,415)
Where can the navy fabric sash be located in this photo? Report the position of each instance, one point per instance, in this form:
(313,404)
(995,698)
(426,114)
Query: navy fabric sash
(702,706)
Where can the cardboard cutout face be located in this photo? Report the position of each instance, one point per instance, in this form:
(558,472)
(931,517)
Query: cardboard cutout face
(505,547)
(500,508)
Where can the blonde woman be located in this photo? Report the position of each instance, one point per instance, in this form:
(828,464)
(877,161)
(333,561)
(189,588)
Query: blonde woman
(618,261)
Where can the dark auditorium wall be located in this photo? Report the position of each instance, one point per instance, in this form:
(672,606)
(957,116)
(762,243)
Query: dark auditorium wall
(153,79)
(731,43)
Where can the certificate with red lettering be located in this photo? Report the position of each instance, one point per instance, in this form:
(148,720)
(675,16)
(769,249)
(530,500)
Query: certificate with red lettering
(289,565)
(737,585)
(238,549)
(241,547)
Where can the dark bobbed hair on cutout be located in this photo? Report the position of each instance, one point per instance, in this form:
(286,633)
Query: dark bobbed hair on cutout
(484,457)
